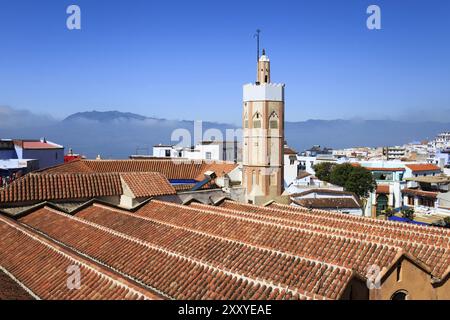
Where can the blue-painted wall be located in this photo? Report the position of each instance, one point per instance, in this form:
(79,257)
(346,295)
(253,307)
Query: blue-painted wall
(47,157)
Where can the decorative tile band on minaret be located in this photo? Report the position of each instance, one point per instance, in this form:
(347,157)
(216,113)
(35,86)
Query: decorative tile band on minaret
(263,136)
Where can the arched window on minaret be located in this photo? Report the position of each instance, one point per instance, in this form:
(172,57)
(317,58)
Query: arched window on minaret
(257,120)
(273,120)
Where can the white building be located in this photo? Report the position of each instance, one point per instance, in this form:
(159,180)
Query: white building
(327,199)
(205,150)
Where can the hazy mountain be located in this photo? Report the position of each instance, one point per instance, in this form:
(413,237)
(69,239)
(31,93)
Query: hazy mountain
(115,134)
(105,116)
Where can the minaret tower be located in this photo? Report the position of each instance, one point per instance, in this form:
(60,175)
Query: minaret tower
(263,136)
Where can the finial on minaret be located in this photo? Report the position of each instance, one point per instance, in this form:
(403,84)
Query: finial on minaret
(264,52)
(257,43)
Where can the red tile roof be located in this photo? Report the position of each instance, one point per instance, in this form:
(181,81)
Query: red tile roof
(10,289)
(39,145)
(423,167)
(166,266)
(36,187)
(147,184)
(417,192)
(430,245)
(382,189)
(45,275)
(46,187)
(171,168)
(239,251)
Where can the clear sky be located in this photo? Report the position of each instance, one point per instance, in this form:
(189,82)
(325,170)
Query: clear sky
(189,59)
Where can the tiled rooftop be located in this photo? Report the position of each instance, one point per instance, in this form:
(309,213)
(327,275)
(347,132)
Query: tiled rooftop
(37,187)
(229,251)
(423,167)
(173,272)
(40,267)
(171,168)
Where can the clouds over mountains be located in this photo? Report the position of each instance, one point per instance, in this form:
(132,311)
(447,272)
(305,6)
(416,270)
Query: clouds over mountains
(118,135)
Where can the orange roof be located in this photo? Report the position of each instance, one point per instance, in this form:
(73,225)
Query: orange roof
(383,189)
(312,254)
(37,187)
(47,265)
(147,184)
(421,193)
(171,168)
(152,254)
(423,167)
(39,145)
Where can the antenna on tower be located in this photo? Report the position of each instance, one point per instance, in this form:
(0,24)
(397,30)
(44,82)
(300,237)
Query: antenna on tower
(256,35)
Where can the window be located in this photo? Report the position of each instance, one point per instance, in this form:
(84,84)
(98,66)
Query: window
(208,155)
(257,121)
(167,153)
(400,295)
(273,120)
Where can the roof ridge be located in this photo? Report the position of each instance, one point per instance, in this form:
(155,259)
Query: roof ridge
(67,254)
(299,227)
(359,220)
(308,231)
(357,232)
(174,254)
(262,248)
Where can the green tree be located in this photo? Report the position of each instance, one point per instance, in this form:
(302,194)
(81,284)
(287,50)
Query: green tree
(340,174)
(359,181)
(447,222)
(408,213)
(323,170)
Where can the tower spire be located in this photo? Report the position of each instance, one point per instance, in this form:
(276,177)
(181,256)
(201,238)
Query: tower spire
(257,43)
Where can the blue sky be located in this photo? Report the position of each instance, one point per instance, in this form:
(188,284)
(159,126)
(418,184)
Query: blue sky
(189,59)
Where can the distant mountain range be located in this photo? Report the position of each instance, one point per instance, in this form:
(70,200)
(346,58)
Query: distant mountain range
(115,134)
(105,116)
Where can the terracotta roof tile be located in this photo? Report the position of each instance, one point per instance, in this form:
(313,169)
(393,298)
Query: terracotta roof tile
(171,168)
(37,187)
(382,189)
(45,275)
(46,187)
(173,272)
(423,167)
(147,184)
(417,192)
